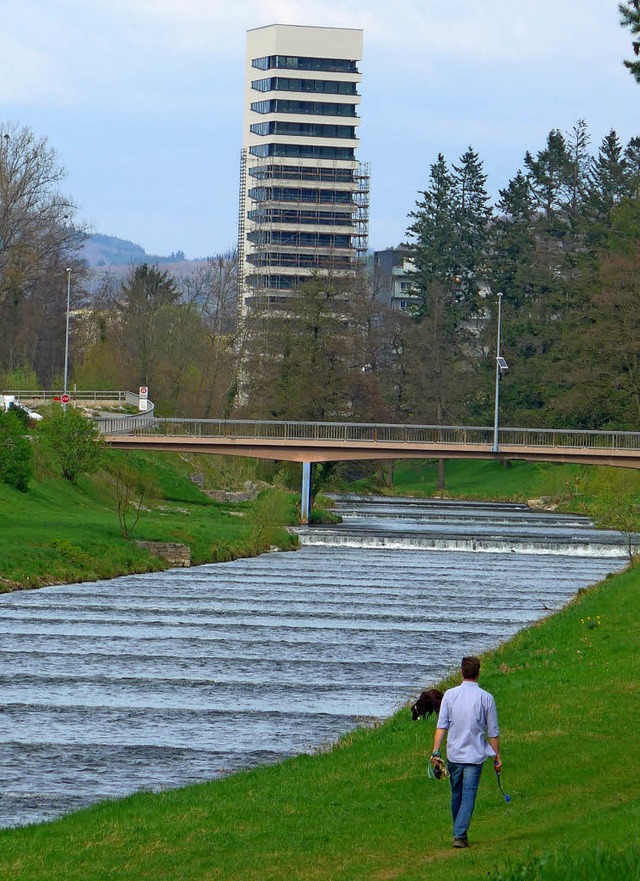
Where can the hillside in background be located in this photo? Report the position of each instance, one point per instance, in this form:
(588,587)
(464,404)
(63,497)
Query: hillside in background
(114,256)
(101,250)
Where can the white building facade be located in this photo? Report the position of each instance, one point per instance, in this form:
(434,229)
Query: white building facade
(304,196)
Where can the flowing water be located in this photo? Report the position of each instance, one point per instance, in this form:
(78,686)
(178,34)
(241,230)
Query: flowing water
(158,680)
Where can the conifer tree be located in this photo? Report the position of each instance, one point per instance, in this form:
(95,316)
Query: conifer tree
(632,160)
(472,217)
(549,175)
(513,242)
(630,18)
(432,232)
(578,169)
(609,183)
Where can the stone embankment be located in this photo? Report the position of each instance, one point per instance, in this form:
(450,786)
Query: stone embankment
(174,553)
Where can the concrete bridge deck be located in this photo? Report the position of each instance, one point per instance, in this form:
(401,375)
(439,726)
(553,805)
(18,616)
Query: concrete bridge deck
(333,441)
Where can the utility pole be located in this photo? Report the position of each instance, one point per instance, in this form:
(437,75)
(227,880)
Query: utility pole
(66,341)
(501,365)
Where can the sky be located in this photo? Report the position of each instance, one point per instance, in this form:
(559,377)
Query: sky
(142,99)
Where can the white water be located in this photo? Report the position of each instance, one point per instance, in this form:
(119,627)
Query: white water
(411,524)
(168,678)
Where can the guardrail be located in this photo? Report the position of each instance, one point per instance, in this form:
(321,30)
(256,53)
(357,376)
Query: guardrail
(355,432)
(47,395)
(128,424)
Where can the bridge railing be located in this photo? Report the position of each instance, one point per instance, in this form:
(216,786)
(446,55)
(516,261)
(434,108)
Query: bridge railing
(557,437)
(46,395)
(142,421)
(350,432)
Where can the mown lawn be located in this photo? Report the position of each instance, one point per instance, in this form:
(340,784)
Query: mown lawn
(486,480)
(568,693)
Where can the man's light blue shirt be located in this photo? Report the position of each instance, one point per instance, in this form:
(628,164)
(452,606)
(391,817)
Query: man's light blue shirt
(468,711)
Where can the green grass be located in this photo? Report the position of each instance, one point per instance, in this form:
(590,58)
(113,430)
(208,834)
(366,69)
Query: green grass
(487,480)
(568,697)
(60,532)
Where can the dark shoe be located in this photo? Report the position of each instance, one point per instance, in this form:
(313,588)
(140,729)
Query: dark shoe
(461,842)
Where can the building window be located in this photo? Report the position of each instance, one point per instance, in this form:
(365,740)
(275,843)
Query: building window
(260,128)
(301,172)
(296,239)
(262,106)
(295,62)
(298,194)
(304,129)
(300,259)
(302,151)
(301,218)
(315,108)
(284,84)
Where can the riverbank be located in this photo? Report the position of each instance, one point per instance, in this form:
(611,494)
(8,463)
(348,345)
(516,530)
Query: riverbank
(567,690)
(59,532)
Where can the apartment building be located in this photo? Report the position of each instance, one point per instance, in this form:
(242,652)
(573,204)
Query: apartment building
(304,196)
(394,278)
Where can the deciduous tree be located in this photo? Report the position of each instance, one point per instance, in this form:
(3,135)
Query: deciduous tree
(73,439)
(133,490)
(38,242)
(299,357)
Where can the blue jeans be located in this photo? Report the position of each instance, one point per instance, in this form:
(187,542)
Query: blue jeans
(465,780)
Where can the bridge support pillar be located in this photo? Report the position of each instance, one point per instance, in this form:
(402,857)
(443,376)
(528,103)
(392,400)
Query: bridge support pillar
(305,499)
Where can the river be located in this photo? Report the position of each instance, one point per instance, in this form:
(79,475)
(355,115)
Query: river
(159,680)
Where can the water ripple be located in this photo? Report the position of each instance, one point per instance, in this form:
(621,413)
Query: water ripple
(159,680)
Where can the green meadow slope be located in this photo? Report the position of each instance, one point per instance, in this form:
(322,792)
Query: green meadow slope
(60,532)
(568,693)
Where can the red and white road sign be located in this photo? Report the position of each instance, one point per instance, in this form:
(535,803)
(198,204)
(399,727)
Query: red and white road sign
(65,399)
(144,391)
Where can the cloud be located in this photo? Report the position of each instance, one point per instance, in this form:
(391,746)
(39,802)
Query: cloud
(122,87)
(492,30)
(130,50)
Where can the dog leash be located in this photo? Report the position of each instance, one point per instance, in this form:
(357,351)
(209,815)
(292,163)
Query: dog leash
(507,798)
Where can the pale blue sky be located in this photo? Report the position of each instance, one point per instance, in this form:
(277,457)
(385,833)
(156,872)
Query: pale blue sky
(142,99)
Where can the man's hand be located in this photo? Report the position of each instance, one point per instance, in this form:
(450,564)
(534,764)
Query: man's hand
(497,764)
(438,765)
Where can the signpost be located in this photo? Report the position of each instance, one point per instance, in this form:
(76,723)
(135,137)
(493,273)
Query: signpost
(65,398)
(143,398)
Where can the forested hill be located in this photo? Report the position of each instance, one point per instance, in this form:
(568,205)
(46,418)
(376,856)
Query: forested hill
(101,250)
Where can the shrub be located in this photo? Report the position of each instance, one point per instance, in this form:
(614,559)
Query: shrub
(73,440)
(16,454)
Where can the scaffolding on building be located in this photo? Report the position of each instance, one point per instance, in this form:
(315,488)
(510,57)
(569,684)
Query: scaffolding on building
(298,219)
(242,214)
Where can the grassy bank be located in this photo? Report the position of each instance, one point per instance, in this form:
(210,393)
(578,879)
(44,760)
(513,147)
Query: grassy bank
(63,532)
(486,480)
(568,694)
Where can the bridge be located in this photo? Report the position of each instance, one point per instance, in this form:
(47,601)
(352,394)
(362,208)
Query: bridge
(311,442)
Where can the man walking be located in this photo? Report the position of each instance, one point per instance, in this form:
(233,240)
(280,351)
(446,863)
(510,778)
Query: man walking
(467,712)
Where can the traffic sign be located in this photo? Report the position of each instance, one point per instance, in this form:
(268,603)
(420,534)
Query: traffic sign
(65,399)
(144,391)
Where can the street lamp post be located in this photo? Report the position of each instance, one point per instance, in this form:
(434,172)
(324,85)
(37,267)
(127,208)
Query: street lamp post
(501,366)
(66,337)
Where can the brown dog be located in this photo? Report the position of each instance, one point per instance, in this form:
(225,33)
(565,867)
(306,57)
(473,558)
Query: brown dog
(428,703)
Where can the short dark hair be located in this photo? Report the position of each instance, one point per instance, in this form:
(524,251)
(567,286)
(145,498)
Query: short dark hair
(470,667)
